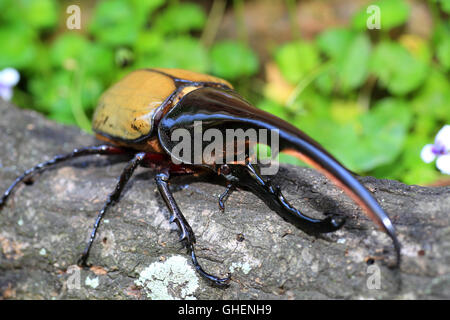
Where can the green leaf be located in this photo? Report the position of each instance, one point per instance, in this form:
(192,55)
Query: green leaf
(443,52)
(296,60)
(91,90)
(398,70)
(373,139)
(393,13)
(40,14)
(352,69)
(339,139)
(445,5)
(115,22)
(180,18)
(326,81)
(425,125)
(57,94)
(10,11)
(36,14)
(385,129)
(181,52)
(72,51)
(148,41)
(41,54)
(68,49)
(421,175)
(274,108)
(416,171)
(98,60)
(345,111)
(350,53)
(144,8)
(334,42)
(232,60)
(441,40)
(433,97)
(52,94)
(417,46)
(17,46)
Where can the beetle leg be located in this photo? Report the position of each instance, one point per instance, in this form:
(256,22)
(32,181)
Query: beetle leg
(187,235)
(221,282)
(112,199)
(224,196)
(27,175)
(250,178)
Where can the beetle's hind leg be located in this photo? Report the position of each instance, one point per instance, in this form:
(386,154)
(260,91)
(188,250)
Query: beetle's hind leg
(112,199)
(27,175)
(187,235)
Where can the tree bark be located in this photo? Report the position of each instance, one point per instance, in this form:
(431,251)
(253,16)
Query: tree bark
(136,254)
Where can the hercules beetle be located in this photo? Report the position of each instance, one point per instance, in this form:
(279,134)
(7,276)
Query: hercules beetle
(137,115)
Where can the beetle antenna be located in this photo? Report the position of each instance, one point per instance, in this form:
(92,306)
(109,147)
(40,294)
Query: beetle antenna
(28,174)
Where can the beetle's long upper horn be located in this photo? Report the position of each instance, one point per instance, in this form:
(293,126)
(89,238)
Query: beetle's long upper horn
(224,109)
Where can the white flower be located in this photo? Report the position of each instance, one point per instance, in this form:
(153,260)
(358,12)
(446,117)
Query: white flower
(443,163)
(9,77)
(440,150)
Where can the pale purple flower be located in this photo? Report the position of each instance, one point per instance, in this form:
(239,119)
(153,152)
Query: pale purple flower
(9,77)
(440,150)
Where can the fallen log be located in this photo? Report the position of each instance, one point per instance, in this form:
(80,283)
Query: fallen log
(136,255)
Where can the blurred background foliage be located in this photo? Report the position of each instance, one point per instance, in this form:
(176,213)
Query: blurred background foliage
(373,98)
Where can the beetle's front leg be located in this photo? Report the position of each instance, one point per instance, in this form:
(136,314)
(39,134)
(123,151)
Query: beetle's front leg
(249,177)
(187,235)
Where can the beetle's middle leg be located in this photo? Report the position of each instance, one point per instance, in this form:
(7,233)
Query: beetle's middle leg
(187,235)
(112,199)
(224,196)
